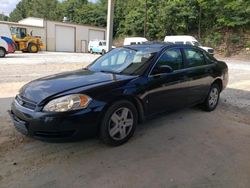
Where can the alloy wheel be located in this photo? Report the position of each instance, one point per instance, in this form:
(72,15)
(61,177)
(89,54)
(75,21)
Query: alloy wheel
(213,97)
(121,123)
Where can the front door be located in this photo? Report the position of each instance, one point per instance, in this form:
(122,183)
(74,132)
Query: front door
(168,91)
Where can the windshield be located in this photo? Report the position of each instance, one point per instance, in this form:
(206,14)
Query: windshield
(124,61)
(196,43)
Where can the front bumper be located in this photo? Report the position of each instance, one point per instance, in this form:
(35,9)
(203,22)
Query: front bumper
(55,126)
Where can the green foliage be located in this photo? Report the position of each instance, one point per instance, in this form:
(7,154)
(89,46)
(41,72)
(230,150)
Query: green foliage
(3,17)
(34,8)
(247,45)
(235,38)
(213,39)
(234,13)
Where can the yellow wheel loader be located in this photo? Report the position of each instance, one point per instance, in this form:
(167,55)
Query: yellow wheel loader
(26,42)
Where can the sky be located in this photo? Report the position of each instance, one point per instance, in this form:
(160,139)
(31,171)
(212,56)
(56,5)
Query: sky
(6,6)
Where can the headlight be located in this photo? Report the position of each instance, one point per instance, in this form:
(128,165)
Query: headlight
(67,103)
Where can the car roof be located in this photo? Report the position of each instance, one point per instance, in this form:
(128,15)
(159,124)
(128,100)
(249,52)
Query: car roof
(158,46)
(154,45)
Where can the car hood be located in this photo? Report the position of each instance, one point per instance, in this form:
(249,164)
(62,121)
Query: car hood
(42,88)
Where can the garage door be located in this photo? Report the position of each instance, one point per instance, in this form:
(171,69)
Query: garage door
(65,39)
(96,35)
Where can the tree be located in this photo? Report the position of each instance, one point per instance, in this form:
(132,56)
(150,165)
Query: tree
(3,17)
(35,8)
(201,18)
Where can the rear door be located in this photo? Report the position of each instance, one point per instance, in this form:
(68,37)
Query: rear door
(168,91)
(199,74)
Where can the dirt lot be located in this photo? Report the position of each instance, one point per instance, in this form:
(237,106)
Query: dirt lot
(189,148)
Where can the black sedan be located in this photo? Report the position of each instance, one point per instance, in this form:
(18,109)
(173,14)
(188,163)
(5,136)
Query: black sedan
(118,90)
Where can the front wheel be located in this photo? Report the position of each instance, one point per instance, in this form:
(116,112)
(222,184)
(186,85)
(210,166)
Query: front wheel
(119,123)
(103,52)
(33,48)
(212,99)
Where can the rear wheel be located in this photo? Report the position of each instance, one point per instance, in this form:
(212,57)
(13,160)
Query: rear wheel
(2,52)
(91,51)
(119,123)
(33,48)
(212,99)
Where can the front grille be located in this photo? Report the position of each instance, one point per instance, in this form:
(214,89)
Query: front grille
(25,102)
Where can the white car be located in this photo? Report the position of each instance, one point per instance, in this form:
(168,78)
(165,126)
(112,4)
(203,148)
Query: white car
(6,43)
(190,40)
(97,46)
(134,40)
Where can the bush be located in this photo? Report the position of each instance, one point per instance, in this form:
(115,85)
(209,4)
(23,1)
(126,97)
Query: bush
(213,39)
(247,45)
(235,39)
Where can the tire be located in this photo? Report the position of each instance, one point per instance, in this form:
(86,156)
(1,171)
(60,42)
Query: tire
(103,52)
(2,52)
(32,48)
(212,99)
(119,123)
(91,51)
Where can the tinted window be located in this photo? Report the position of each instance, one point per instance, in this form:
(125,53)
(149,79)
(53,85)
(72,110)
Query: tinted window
(209,58)
(194,57)
(196,43)
(189,43)
(100,44)
(172,58)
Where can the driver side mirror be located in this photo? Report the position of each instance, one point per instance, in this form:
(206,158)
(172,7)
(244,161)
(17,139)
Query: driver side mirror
(162,69)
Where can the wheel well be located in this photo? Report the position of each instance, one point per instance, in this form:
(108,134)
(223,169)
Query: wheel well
(30,43)
(219,82)
(138,106)
(3,49)
(133,100)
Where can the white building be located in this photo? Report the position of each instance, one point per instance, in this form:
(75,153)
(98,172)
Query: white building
(62,36)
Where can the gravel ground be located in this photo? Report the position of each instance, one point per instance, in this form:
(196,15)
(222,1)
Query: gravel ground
(189,148)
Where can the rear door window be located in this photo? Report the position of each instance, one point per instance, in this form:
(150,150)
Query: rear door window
(194,57)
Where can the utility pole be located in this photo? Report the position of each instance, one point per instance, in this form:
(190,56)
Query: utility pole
(199,25)
(110,21)
(146,19)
